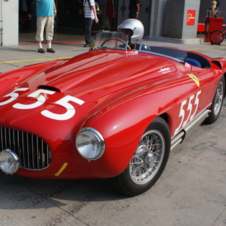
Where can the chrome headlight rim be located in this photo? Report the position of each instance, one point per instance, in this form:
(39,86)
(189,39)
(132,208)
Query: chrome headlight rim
(99,138)
(13,159)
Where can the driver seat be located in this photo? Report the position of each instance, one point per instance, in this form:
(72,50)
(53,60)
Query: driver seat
(193,62)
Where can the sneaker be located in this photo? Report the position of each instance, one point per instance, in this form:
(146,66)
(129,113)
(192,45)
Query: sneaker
(41,50)
(87,45)
(50,50)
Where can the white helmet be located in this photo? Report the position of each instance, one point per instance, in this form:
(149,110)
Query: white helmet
(136,27)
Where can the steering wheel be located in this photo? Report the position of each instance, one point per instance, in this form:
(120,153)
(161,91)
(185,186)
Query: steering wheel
(117,39)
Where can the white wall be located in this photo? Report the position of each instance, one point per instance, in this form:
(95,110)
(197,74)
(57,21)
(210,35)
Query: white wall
(10,32)
(190,31)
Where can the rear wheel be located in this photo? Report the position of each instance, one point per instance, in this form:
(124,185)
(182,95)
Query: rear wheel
(148,161)
(217,102)
(216,37)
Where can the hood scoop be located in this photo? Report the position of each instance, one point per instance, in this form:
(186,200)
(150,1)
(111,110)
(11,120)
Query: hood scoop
(51,88)
(39,82)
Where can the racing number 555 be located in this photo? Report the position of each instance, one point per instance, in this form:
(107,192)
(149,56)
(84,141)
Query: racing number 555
(189,108)
(70,110)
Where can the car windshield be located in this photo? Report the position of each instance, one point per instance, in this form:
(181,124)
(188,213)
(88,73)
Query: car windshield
(154,45)
(111,40)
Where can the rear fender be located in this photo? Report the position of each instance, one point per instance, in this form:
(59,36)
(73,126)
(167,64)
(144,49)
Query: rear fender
(220,63)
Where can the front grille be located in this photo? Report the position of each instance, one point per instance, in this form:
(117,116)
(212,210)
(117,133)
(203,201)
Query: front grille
(33,152)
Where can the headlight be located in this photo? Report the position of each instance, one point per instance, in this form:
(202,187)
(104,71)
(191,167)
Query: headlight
(90,144)
(9,161)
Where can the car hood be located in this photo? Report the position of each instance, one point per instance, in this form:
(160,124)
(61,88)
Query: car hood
(96,74)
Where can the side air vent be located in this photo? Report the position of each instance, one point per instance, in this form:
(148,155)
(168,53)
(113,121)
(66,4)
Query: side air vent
(33,152)
(217,63)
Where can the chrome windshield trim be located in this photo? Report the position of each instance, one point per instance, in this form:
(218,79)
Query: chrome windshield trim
(107,47)
(159,54)
(162,55)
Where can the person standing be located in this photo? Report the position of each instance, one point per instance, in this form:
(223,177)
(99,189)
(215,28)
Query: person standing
(90,15)
(213,9)
(110,12)
(134,8)
(46,11)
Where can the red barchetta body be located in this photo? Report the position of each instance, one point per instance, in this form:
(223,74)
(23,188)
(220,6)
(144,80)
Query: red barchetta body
(118,93)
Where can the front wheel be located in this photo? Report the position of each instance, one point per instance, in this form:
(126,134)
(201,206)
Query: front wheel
(216,37)
(217,102)
(148,161)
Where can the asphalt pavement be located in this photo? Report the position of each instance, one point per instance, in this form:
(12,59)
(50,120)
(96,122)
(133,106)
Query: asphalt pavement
(191,191)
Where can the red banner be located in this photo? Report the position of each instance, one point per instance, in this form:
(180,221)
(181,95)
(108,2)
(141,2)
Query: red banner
(191,17)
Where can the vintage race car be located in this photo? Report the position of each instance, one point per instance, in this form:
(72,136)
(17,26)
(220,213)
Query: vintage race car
(113,112)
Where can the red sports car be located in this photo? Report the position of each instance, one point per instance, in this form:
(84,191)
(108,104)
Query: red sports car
(113,112)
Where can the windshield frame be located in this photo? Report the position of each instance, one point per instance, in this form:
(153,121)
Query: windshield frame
(103,37)
(183,60)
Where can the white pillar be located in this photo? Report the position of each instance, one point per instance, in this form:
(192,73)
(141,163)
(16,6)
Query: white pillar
(9,22)
(157,19)
(0,22)
(182,18)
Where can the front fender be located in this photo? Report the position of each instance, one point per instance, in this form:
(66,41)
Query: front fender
(123,121)
(122,125)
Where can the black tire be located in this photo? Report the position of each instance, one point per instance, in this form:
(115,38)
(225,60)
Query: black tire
(150,158)
(217,102)
(216,37)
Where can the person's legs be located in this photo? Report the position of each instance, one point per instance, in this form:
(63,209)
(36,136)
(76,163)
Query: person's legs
(41,21)
(49,33)
(88,26)
(86,30)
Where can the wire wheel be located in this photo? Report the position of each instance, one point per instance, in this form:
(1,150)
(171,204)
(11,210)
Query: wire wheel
(148,157)
(148,162)
(216,37)
(218,100)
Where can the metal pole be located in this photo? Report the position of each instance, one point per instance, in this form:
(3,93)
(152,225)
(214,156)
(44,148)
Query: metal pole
(1,23)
